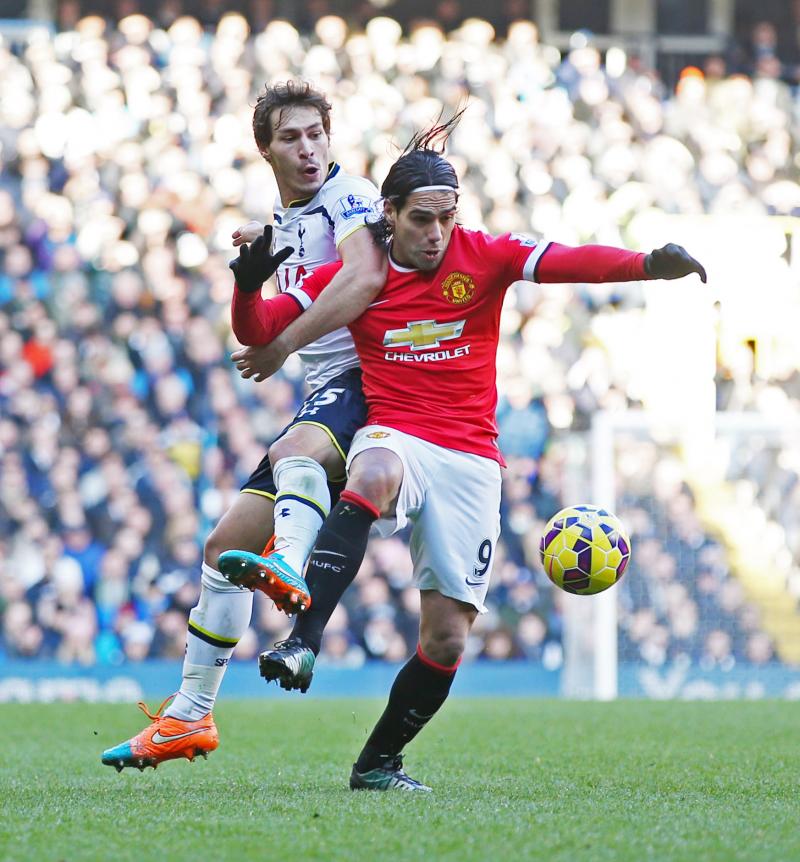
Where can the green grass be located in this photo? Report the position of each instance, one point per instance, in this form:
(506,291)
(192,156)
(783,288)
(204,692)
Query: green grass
(513,780)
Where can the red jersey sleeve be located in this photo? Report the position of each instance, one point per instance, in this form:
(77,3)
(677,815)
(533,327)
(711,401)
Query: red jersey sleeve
(526,259)
(257,321)
(562,264)
(514,256)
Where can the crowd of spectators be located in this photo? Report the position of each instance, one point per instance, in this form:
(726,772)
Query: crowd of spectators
(682,604)
(126,161)
(447,14)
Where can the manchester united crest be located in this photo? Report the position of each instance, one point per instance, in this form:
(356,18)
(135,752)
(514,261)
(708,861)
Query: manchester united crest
(458,288)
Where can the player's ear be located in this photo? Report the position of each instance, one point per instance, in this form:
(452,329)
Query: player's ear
(266,155)
(389,212)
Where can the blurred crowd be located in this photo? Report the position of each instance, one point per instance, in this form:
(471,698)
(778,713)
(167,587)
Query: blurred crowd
(681,602)
(764,35)
(126,161)
(447,14)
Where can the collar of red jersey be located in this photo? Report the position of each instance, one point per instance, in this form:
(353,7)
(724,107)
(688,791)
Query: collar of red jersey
(395,265)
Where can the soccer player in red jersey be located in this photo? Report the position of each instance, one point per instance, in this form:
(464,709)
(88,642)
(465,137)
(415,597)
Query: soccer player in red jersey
(428,455)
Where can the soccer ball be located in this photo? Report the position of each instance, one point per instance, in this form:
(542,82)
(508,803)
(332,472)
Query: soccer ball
(584,549)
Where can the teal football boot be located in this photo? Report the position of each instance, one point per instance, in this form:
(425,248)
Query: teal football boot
(270,574)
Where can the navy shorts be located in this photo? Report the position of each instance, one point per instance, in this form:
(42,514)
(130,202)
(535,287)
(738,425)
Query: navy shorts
(339,409)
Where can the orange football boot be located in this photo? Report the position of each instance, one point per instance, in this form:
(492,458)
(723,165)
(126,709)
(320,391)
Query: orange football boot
(165,739)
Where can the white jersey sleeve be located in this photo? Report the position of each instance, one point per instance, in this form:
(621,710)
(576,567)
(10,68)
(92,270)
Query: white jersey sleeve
(351,202)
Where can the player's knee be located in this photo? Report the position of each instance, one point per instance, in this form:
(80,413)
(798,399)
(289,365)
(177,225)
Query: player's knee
(213,547)
(219,540)
(378,481)
(282,448)
(445,648)
(313,444)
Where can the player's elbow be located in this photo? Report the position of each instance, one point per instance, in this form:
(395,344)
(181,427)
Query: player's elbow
(241,334)
(374,274)
(247,338)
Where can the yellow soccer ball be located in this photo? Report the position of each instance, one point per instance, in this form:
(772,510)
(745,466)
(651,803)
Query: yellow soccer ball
(585,549)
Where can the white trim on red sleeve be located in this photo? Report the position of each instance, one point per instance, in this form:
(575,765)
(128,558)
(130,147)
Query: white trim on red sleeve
(529,270)
(300,295)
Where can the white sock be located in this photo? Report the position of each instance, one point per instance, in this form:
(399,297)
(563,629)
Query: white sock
(301,505)
(221,617)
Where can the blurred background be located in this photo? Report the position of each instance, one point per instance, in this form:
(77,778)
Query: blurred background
(126,161)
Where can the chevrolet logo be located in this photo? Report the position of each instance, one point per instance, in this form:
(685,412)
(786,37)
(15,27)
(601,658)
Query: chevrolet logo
(422,334)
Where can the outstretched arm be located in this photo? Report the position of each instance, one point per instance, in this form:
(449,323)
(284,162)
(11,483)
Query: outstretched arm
(600,263)
(352,289)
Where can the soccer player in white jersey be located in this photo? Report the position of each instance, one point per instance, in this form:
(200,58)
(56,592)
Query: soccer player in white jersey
(428,456)
(317,220)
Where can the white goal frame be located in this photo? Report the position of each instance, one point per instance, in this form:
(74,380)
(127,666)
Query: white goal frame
(591,659)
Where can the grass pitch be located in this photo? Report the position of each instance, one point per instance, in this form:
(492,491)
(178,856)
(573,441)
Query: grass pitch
(513,780)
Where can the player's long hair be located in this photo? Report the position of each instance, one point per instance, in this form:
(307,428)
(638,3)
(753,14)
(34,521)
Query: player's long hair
(420,164)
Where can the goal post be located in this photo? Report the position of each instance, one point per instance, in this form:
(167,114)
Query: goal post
(590,624)
(605,611)
(728,472)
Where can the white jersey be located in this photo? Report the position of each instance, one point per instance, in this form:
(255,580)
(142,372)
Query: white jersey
(314,228)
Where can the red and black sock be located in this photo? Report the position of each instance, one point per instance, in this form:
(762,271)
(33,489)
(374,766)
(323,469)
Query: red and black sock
(334,562)
(419,690)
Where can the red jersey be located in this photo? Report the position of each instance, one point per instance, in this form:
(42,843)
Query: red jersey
(427,344)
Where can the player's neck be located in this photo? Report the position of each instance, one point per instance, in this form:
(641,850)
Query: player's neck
(398,262)
(291,195)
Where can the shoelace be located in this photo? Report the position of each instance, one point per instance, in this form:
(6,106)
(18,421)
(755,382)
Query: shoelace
(394,765)
(143,706)
(288,643)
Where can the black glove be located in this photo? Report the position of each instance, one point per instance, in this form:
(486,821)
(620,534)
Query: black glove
(255,264)
(672,261)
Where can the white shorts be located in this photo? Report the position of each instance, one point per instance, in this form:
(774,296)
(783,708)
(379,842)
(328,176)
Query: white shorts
(452,500)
